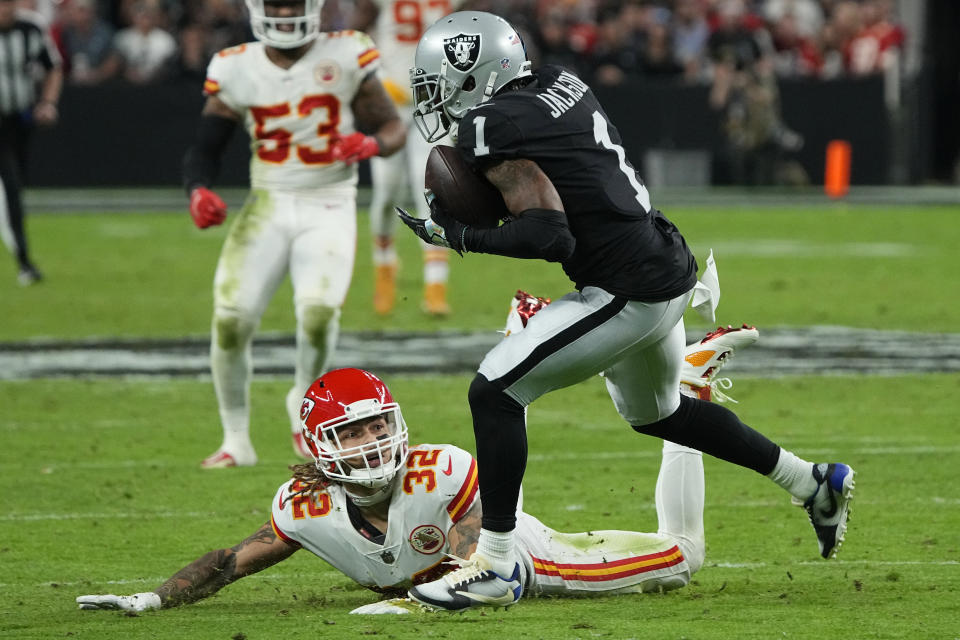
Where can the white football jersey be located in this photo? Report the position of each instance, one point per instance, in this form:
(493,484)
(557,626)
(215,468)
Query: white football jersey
(435,489)
(398,28)
(291,114)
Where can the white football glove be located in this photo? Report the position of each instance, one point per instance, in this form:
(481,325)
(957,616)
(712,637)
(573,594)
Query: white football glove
(136,602)
(396,606)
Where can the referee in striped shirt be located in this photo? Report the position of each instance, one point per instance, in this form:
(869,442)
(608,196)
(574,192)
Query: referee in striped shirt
(30,83)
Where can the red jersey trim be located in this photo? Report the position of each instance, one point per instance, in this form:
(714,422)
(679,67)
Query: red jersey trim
(607,571)
(461,502)
(367,57)
(281,534)
(211,87)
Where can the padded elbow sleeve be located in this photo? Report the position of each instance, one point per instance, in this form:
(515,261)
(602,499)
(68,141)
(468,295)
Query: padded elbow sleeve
(535,233)
(201,163)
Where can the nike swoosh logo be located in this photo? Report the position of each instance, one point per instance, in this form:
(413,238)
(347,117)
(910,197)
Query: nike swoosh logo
(832,511)
(505,599)
(449,470)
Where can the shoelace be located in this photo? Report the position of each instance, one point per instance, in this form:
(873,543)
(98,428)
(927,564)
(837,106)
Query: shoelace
(716,384)
(468,570)
(721,383)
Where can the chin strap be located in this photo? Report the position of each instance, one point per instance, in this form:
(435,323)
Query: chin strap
(488,90)
(380,495)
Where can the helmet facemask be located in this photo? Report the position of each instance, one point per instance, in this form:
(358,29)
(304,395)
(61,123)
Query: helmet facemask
(346,453)
(430,93)
(285,32)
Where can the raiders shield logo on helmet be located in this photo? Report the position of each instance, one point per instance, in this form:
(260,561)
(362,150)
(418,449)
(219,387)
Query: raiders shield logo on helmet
(462,51)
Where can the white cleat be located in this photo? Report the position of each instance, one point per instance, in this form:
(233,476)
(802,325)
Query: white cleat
(393,606)
(474,584)
(703,359)
(223,458)
(829,506)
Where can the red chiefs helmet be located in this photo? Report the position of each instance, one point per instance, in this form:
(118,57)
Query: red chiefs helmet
(339,398)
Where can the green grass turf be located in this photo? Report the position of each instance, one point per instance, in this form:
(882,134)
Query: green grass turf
(151,274)
(100,492)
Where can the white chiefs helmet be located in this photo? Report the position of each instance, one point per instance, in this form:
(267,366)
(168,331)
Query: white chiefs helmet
(287,32)
(462,60)
(335,401)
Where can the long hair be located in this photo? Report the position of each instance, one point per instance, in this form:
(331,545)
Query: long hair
(306,478)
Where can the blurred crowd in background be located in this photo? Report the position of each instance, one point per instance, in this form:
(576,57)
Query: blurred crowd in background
(608,42)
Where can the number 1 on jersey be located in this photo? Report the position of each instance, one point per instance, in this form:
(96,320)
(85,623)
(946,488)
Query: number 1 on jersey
(481,149)
(602,135)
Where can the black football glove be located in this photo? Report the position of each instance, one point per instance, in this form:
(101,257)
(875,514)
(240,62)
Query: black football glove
(453,229)
(439,229)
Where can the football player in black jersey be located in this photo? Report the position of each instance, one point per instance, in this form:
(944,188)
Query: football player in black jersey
(546,143)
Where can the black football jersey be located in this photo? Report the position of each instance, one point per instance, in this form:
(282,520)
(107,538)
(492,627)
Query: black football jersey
(623,245)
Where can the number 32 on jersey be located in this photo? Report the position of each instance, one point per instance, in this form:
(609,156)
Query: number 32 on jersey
(421,472)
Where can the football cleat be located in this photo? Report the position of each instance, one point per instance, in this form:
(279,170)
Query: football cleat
(300,446)
(221,459)
(523,306)
(393,606)
(703,360)
(29,275)
(435,299)
(384,288)
(474,584)
(829,506)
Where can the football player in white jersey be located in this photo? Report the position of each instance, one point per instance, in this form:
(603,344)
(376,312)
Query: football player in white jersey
(387,515)
(396,27)
(313,106)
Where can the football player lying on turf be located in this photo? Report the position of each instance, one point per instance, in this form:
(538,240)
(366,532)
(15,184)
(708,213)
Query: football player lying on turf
(388,515)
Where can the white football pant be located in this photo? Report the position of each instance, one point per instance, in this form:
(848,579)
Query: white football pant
(624,561)
(313,238)
(638,346)
(399,180)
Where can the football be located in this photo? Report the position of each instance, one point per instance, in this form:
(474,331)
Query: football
(462,192)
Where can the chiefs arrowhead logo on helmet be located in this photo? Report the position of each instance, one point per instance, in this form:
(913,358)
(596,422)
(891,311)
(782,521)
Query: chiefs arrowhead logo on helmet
(306,408)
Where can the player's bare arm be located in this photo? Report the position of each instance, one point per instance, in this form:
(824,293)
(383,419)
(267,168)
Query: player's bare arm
(464,534)
(364,15)
(524,186)
(214,106)
(375,113)
(539,230)
(211,572)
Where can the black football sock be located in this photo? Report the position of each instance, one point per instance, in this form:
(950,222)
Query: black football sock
(717,431)
(501,433)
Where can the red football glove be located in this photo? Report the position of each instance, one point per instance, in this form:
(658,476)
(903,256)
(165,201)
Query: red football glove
(354,148)
(206,208)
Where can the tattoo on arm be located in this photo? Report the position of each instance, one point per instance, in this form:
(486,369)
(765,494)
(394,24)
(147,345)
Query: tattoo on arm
(211,572)
(199,579)
(524,186)
(464,534)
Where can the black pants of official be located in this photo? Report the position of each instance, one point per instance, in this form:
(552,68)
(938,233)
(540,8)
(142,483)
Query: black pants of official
(14,137)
